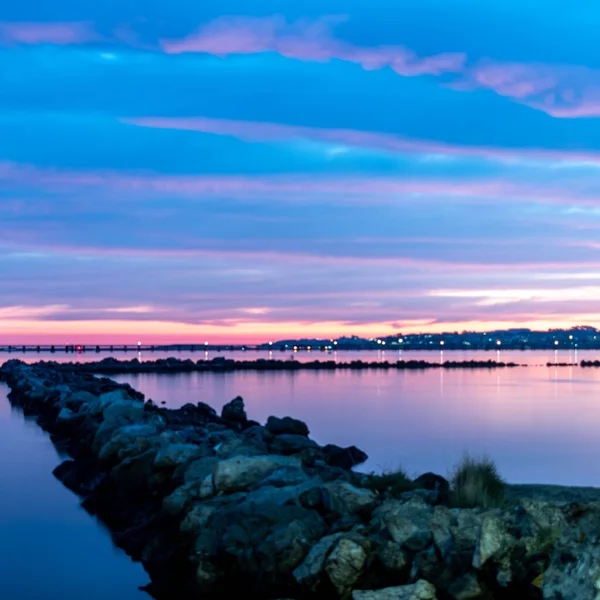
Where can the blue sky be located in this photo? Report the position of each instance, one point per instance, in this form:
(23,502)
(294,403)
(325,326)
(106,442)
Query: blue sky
(261,169)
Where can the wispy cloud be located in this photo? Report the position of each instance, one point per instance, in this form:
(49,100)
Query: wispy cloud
(565,91)
(310,40)
(61,34)
(266,131)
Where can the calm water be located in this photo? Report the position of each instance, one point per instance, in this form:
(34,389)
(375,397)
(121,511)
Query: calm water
(540,424)
(50,548)
(536,357)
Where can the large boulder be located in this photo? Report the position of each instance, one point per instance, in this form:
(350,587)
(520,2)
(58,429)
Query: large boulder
(240,473)
(289,443)
(342,498)
(421,590)
(234,411)
(309,573)
(407,523)
(574,571)
(344,458)
(434,483)
(279,426)
(174,455)
(345,565)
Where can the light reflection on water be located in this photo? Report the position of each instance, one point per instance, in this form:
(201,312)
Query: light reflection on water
(540,424)
(50,548)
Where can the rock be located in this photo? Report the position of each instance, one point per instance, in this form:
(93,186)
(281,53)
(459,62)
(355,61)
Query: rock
(178,454)
(287,425)
(441,523)
(421,590)
(466,587)
(311,569)
(408,523)
(198,470)
(574,570)
(197,518)
(127,441)
(495,541)
(242,472)
(345,565)
(344,458)
(65,415)
(289,443)
(234,411)
(285,476)
(240,446)
(435,483)
(343,498)
(392,557)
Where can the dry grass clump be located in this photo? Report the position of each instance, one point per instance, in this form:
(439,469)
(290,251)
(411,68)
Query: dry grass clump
(477,483)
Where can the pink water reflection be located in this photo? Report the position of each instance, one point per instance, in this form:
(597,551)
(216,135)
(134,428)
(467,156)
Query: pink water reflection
(540,424)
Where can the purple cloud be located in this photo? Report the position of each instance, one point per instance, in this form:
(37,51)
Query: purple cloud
(61,34)
(264,131)
(306,40)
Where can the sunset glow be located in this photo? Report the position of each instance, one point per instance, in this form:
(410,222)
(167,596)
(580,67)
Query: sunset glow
(250,174)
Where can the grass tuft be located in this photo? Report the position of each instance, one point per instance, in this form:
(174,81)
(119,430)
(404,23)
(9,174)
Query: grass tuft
(476,483)
(392,482)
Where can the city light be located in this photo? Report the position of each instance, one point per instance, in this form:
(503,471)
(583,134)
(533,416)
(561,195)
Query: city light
(442,343)
(498,342)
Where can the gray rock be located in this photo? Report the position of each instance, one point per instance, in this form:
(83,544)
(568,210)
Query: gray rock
(344,565)
(393,557)
(65,415)
(343,498)
(128,441)
(310,571)
(495,540)
(240,446)
(466,587)
(285,476)
(408,523)
(289,443)
(242,472)
(198,470)
(421,590)
(177,454)
(574,570)
(286,425)
(234,411)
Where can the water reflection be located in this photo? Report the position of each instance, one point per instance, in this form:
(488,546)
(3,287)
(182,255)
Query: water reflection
(539,423)
(50,549)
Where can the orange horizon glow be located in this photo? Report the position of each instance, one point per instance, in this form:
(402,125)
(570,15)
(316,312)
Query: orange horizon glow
(14,332)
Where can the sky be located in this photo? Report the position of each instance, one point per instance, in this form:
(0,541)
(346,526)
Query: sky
(250,169)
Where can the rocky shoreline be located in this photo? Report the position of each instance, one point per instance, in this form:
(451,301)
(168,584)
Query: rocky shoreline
(112,366)
(219,506)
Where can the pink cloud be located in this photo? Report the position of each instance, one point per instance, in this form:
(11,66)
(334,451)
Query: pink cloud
(564,91)
(306,40)
(292,188)
(62,34)
(264,131)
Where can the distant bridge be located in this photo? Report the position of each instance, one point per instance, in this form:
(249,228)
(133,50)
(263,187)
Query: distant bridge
(126,348)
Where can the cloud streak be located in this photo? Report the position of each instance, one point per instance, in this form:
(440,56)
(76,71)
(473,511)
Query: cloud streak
(59,34)
(256,131)
(309,41)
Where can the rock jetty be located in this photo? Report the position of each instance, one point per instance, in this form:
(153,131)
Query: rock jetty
(220,506)
(112,366)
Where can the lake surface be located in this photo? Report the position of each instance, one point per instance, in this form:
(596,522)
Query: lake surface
(541,424)
(50,548)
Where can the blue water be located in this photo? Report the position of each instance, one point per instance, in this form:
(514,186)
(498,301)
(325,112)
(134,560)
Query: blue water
(50,548)
(540,424)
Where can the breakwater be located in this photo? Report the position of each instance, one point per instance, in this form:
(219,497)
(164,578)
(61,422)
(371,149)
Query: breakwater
(219,505)
(112,366)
